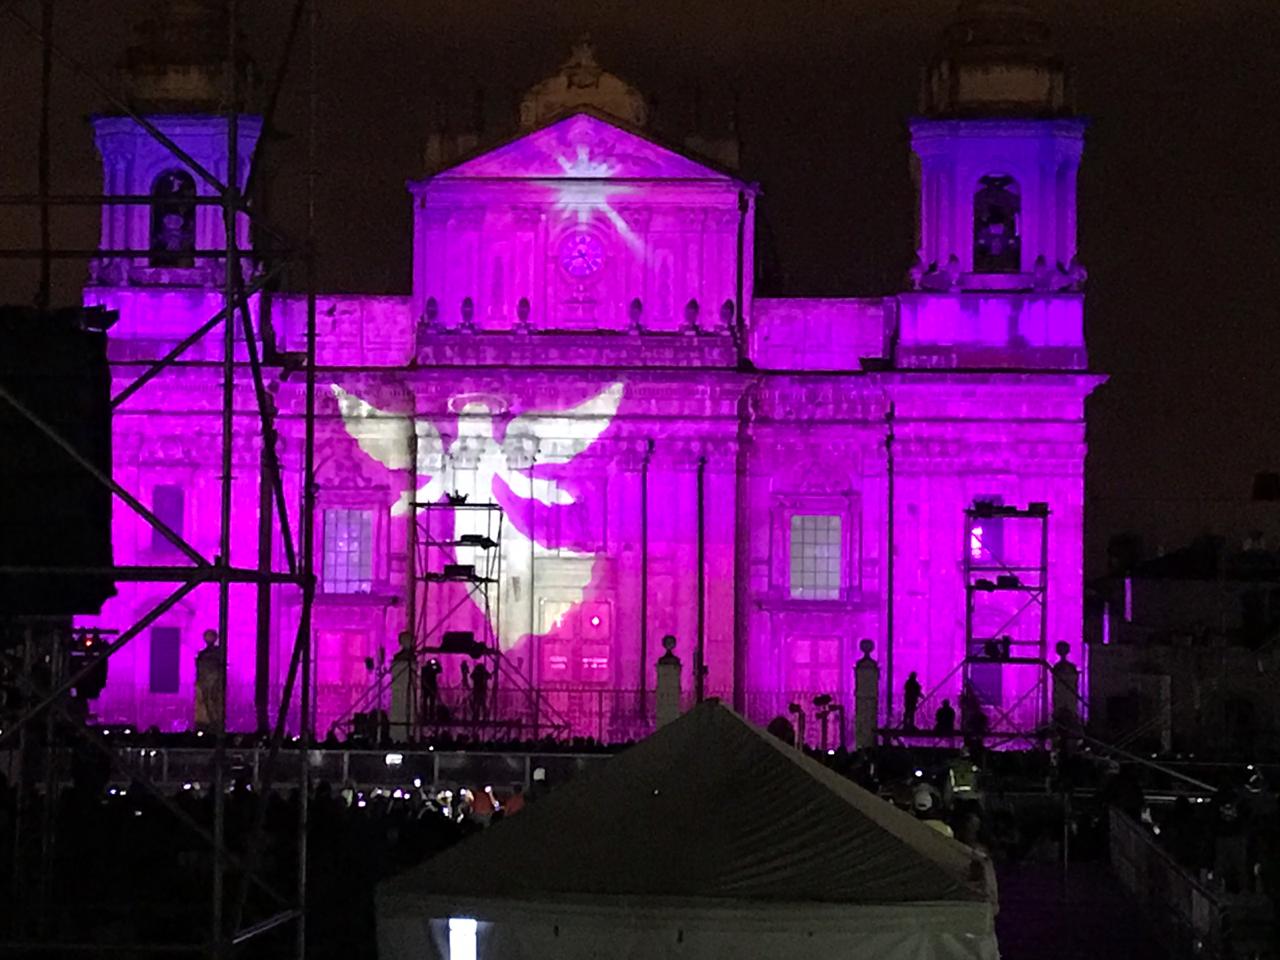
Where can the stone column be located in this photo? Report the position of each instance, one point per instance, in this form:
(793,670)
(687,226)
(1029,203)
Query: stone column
(866,687)
(1066,689)
(403,670)
(667,695)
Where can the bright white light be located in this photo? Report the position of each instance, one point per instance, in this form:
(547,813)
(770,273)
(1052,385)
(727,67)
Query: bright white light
(592,193)
(395,759)
(595,621)
(462,938)
(975,543)
(831,753)
(919,773)
(417,782)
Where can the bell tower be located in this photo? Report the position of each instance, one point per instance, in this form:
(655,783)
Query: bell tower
(176,77)
(998,148)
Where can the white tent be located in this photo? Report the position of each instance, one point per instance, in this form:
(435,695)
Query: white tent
(709,839)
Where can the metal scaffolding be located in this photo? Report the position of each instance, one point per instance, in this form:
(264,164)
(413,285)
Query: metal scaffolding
(460,543)
(1010,585)
(1006,630)
(230,926)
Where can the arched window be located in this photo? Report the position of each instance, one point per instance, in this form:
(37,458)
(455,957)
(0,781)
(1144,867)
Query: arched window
(997,214)
(173,220)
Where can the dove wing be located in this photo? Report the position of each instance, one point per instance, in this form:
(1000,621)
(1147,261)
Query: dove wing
(564,434)
(384,436)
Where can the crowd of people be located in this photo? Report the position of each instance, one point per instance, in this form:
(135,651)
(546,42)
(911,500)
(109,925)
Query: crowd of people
(127,866)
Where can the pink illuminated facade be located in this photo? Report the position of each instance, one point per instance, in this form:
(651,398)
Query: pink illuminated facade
(768,480)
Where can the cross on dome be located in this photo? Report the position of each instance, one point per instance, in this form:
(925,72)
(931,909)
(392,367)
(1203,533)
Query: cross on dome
(582,82)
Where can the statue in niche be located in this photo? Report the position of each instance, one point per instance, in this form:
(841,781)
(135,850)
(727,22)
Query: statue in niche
(468,314)
(997,210)
(173,220)
(522,315)
(691,311)
(635,316)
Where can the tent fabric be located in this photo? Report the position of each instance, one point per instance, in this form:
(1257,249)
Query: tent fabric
(919,932)
(709,832)
(708,806)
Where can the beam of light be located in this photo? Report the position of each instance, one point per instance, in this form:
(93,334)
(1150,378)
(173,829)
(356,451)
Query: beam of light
(587,193)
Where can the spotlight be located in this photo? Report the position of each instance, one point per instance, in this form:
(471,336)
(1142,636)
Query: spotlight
(394,759)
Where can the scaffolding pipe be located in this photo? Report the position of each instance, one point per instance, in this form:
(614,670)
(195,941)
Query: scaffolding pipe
(46,95)
(230,195)
(151,617)
(308,484)
(121,104)
(700,654)
(155,368)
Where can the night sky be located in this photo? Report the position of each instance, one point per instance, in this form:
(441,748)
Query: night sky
(1180,196)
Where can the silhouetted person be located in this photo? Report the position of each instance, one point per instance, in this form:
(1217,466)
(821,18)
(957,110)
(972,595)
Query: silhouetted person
(944,720)
(973,719)
(1230,847)
(911,694)
(479,691)
(430,688)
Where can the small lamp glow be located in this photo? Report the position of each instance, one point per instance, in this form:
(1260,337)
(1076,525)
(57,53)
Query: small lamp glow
(462,938)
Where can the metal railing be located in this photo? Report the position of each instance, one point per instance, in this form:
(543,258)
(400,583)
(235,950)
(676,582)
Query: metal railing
(1188,916)
(178,768)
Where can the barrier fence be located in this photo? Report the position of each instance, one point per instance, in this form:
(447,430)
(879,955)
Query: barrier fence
(606,714)
(1190,918)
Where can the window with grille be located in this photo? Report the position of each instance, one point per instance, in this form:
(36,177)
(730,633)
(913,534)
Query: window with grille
(348,551)
(816,557)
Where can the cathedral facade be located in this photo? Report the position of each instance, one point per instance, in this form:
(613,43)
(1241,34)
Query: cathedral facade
(581,431)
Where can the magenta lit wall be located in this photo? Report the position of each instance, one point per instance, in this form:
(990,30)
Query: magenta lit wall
(582,347)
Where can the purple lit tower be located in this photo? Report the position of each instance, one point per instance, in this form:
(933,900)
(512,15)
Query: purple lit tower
(644,445)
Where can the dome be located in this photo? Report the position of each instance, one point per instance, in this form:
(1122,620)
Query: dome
(997,59)
(178,64)
(580,83)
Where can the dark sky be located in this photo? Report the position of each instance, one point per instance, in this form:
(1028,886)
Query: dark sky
(1180,198)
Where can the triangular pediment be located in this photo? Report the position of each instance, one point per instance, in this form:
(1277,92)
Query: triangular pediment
(584,146)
